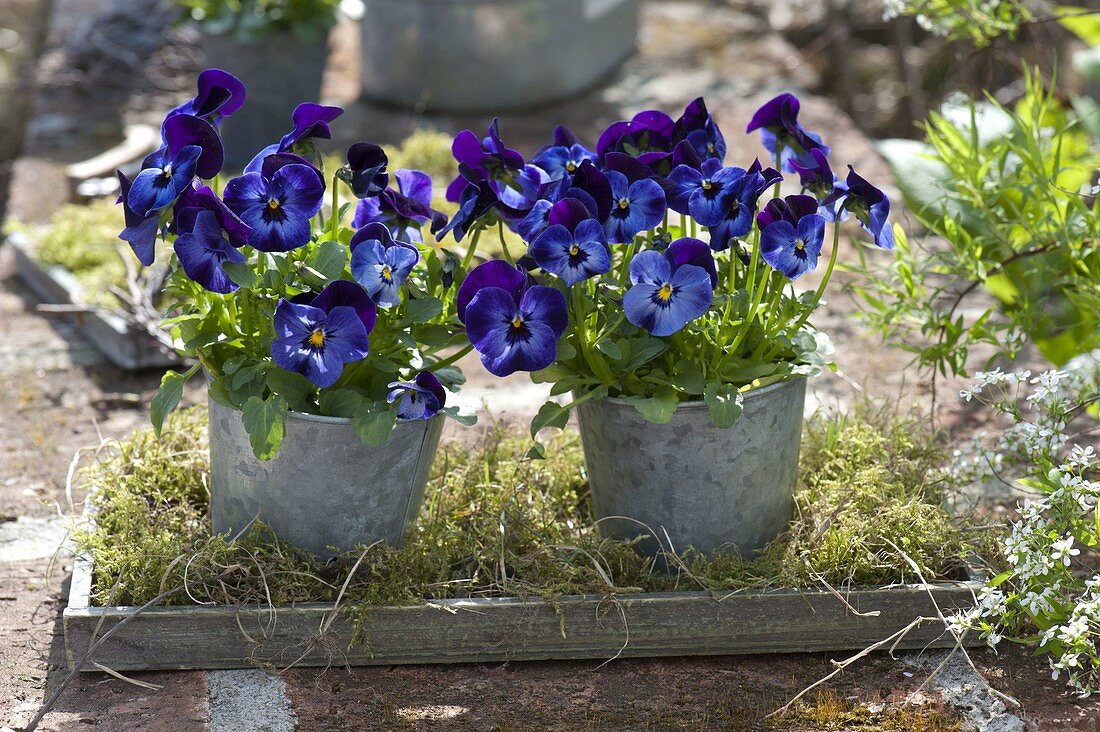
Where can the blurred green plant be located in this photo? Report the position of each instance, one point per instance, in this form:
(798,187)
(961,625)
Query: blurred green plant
(248,19)
(976,21)
(1008,196)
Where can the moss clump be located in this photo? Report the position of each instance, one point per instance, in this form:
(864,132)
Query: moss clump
(497,524)
(829,711)
(427,150)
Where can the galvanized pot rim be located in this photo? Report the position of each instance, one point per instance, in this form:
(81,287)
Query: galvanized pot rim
(700,404)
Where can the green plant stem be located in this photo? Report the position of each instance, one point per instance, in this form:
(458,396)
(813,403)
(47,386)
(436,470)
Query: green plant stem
(444,362)
(470,250)
(824,281)
(334,225)
(591,356)
(504,244)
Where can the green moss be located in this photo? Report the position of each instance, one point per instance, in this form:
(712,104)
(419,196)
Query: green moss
(496,524)
(428,150)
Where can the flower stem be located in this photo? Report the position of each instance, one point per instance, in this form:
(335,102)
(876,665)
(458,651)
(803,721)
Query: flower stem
(504,244)
(600,369)
(824,281)
(470,250)
(333,230)
(444,362)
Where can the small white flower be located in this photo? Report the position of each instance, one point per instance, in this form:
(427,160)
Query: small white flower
(1063,550)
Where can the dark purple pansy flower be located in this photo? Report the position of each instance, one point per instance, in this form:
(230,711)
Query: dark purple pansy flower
(366,172)
(698,128)
(563,157)
(486,159)
(163,178)
(185,129)
(316,340)
(649,132)
(494,273)
(220,94)
(739,204)
(867,203)
(202,250)
(277,202)
(380,264)
(515,327)
(668,291)
(692,251)
(777,121)
(199,198)
(791,234)
(140,231)
(699,193)
(403,210)
(478,201)
(421,398)
(311,121)
(820,180)
(635,207)
(573,246)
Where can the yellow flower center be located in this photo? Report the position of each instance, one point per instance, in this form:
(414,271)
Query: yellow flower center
(624,203)
(317,338)
(168,171)
(571,166)
(272,203)
(574,250)
(707,185)
(387,273)
(710,148)
(665,293)
(799,244)
(517,322)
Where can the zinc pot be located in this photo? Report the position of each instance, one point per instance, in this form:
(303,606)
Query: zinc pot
(490,55)
(279,70)
(704,486)
(324,488)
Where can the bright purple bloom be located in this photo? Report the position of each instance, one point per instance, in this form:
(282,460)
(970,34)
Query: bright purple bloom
(380,264)
(317,341)
(820,180)
(738,201)
(277,202)
(669,291)
(698,128)
(220,94)
(478,201)
(692,251)
(635,207)
(777,121)
(202,198)
(366,169)
(494,273)
(564,157)
(203,249)
(573,246)
(791,234)
(421,398)
(868,204)
(164,177)
(311,121)
(486,159)
(648,133)
(515,327)
(403,210)
(141,231)
(698,193)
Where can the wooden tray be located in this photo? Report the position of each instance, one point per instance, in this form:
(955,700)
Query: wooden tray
(493,630)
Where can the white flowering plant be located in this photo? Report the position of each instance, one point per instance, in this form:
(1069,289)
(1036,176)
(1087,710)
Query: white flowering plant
(1049,594)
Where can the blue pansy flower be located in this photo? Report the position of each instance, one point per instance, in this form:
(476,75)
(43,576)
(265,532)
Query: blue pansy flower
(487,159)
(791,234)
(868,204)
(311,121)
(646,136)
(635,207)
(819,179)
(738,203)
(403,210)
(564,156)
(698,128)
(220,94)
(779,128)
(421,398)
(165,175)
(278,202)
(140,231)
(202,198)
(699,193)
(202,250)
(667,292)
(317,340)
(573,246)
(515,326)
(477,201)
(380,264)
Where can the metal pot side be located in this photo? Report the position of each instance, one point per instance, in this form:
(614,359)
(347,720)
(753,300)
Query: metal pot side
(706,487)
(324,487)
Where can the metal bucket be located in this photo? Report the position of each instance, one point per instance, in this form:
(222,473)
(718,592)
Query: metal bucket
(324,487)
(279,71)
(491,55)
(707,487)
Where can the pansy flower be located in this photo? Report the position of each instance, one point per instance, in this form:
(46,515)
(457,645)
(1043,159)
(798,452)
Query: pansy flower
(203,248)
(818,178)
(366,172)
(564,156)
(277,202)
(669,289)
(220,94)
(791,234)
(738,203)
(421,398)
(868,204)
(403,210)
(573,246)
(698,128)
(202,198)
(192,148)
(316,340)
(311,121)
(699,193)
(780,130)
(380,264)
(635,207)
(514,325)
(647,135)
(485,159)
(140,231)
(478,200)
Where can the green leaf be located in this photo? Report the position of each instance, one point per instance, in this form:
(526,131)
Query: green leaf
(423,309)
(658,408)
(292,386)
(374,428)
(450,376)
(340,402)
(725,403)
(329,259)
(168,396)
(265,423)
(610,349)
(537,451)
(217,391)
(689,377)
(241,274)
(467,420)
(644,350)
(551,414)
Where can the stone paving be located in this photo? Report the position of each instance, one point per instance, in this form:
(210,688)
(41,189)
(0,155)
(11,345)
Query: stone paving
(58,396)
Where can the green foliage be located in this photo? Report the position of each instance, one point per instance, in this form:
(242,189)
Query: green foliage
(866,479)
(1009,193)
(977,21)
(248,19)
(426,150)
